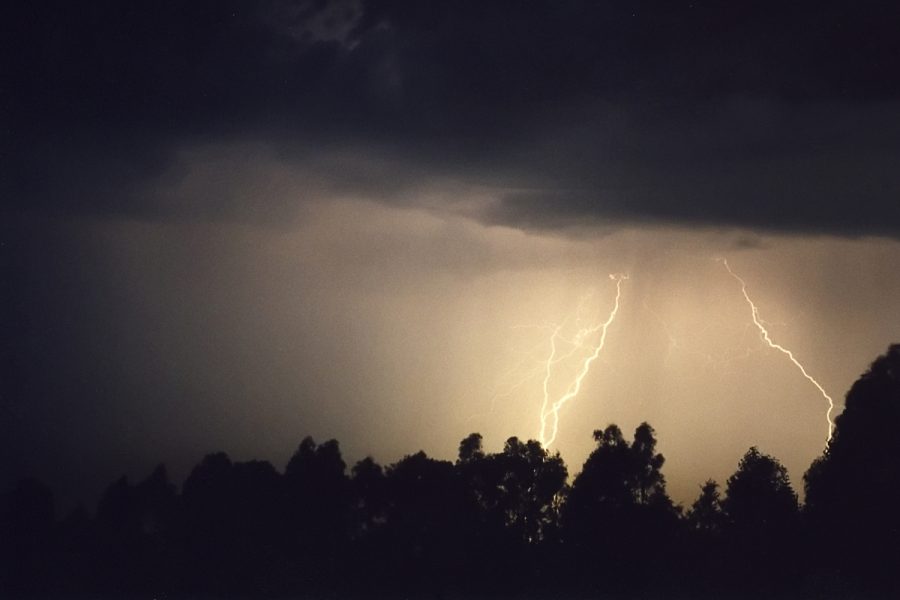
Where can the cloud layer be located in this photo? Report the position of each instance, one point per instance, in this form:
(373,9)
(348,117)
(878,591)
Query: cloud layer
(765,115)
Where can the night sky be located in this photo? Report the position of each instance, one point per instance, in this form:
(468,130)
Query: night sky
(228,225)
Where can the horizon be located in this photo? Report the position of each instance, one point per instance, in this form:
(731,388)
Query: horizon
(66,503)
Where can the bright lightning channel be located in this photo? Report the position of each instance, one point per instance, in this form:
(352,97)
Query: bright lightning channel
(550,408)
(764,334)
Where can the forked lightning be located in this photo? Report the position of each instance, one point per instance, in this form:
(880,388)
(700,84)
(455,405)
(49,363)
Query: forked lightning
(551,406)
(764,334)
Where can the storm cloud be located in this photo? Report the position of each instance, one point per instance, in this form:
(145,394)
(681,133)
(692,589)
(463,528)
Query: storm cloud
(765,115)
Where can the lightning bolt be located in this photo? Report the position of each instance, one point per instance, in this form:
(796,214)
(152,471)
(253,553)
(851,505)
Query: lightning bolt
(550,408)
(764,333)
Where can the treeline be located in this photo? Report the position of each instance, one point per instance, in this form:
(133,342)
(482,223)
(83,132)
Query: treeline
(489,524)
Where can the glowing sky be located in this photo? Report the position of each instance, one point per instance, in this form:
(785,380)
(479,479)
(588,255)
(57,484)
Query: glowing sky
(231,227)
(395,329)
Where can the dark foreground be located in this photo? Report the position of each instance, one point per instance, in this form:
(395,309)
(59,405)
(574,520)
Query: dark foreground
(504,525)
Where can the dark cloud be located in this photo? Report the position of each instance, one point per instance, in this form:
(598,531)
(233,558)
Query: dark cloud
(767,115)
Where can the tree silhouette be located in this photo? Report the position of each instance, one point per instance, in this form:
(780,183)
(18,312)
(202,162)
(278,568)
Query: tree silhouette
(318,513)
(135,526)
(369,509)
(208,536)
(430,520)
(369,496)
(759,497)
(705,515)
(761,522)
(705,560)
(649,481)
(234,525)
(853,490)
(519,486)
(605,481)
(499,524)
(618,514)
(470,448)
(517,493)
(618,474)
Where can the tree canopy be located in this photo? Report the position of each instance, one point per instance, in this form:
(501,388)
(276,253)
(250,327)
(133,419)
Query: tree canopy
(499,523)
(853,490)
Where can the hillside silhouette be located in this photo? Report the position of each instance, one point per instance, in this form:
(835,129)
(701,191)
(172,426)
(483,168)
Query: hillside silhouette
(504,524)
